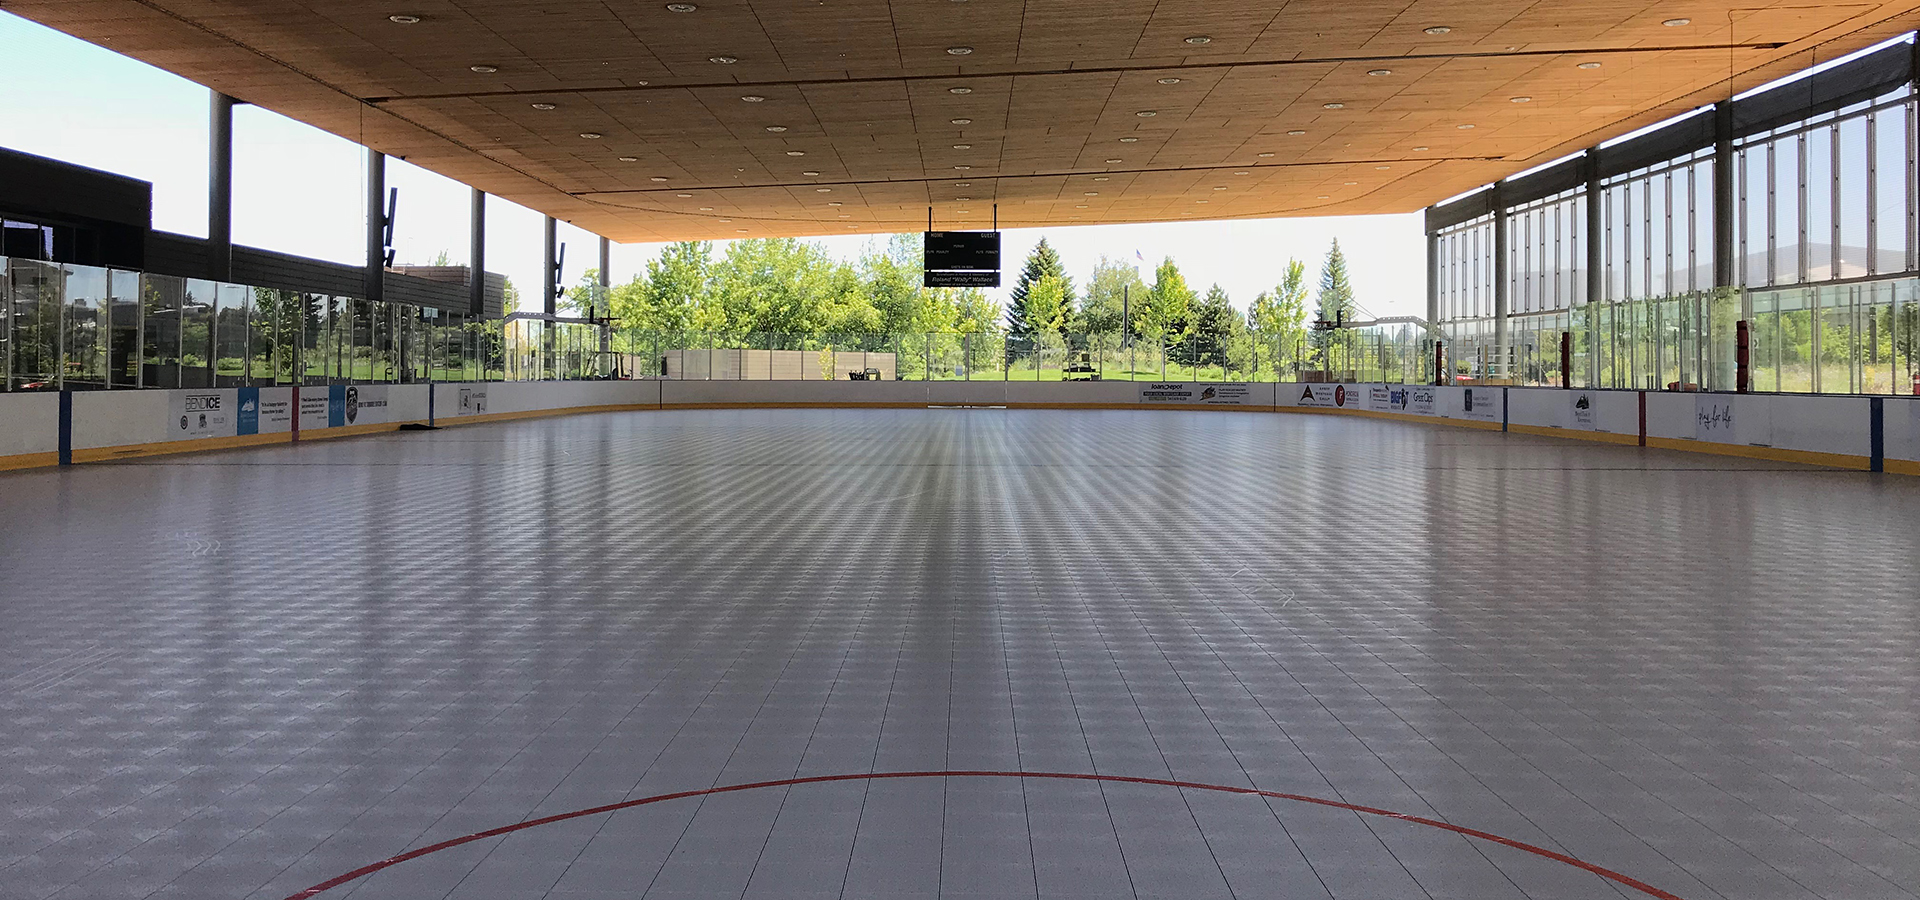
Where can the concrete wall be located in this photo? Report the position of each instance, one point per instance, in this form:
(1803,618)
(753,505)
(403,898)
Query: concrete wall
(1830,430)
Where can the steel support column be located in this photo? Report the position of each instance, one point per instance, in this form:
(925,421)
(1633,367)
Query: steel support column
(220,188)
(1596,265)
(549,290)
(477,256)
(1724,274)
(1502,354)
(376,225)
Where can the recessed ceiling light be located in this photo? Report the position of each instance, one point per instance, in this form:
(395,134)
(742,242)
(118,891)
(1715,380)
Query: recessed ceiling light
(1676,23)
(1379,72)
(960,90)
(959,51)
(544,106)
(1129,140)
(753,98)
(1294,133)
(1381,168)
(591,135)
(706,209)
(683,196)
(1436,29)
(681,7)
(723,60)
(846,216)
(1519,99)
(404,20)
(1333,106)
(1079,206)
(1102,178)
(963,184)
(1420,149)
(1169,81)
(962,121)
(796,152)
(1321,197)
(1239,173)
(776,128)
(1199,201)
(484,69)
(741,230)
(658,178)
(1112,161)
(1146,114)
(962,199)
(726,220)
(1093,193)
(1199,39)
(1589,65)
(1350,183)
(629,159)
(835,203)
(1221,187)
(1463,127)
(963,168)
(811,174)
(963,146)
(963,211)
(1266,156)
(823,190)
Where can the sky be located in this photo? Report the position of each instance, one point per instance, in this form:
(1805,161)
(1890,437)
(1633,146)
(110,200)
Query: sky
(300,190)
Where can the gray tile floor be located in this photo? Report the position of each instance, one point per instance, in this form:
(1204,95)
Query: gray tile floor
(237,675)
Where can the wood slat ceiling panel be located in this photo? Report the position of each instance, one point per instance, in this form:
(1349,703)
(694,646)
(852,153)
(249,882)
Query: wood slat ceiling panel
(864,91)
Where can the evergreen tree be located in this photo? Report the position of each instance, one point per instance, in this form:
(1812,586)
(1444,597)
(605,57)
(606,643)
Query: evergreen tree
(1216,328)
(1043,262)
(1334,304)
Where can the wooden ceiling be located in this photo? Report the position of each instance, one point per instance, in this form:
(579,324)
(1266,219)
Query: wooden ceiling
(848,116)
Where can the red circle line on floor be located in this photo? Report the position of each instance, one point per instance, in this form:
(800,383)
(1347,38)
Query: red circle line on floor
(371,868)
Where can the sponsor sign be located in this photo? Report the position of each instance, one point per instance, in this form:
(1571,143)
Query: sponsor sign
(1397,398)
(473,401)
(276,410)
(200,414)
(1420,400)
(247,412)
(1481,403)
(1380,397)
(314,405)
(1323,395)
(1580,410)
(1713,419)
(1230,394)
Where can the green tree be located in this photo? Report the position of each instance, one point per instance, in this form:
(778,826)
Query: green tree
(1217,330)
(1279,316)
(1334,304)
(675,283)
(1042,262)
(1164,313)
(1112,290)
(1045,308)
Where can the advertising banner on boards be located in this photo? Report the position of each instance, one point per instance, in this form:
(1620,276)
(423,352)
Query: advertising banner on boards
(276,410)
(201,414)
(1323,395)
(1580,410)
(356,404)
(1482,403)
(1420,400)
(1713,419)
(314,403)
(1226,394)
(473,401)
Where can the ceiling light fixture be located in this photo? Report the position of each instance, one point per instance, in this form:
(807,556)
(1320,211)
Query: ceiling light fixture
(1420,149)
(1199,39)
(1266,155)
(753,98)
(1519,99)
(741,230)
(1380,72)
(726,220)
(1333,106)
(776,129)
(1239,173)
(1079,206)
(591,135)
(1221,187)
(544,106)
(1350,183)
(629,159)
(1112,162)
(706,209)
(1676,23)
(963,146)
(1463,127)
(960,90)
(658,178)
(835,203)
(1294,133)
(1381,168)
(963,168)
(1436,29)
(723,60)
(811,174)
(681,7)
(1199,201)
(1321,197)
(1589,65)
(1169,81)
(1103,178)
(962,199)
(484,69)
(1146,114)
(959,51)
(404,20)
(961,121)
(823,190)
(796,152)
(963,184)
(683,196)
(1093,193)
(1129,140)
